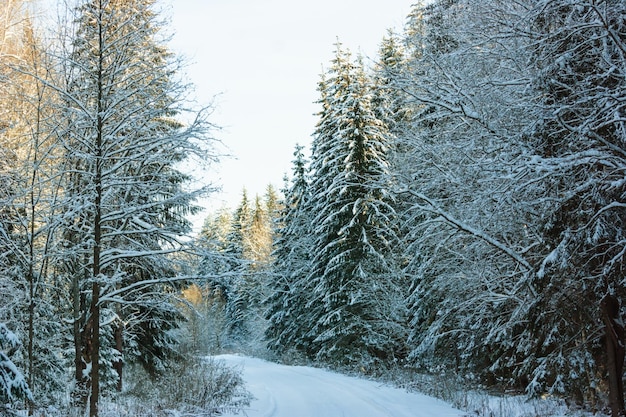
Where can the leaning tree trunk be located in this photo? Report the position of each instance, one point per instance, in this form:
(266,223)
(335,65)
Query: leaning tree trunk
(614,336)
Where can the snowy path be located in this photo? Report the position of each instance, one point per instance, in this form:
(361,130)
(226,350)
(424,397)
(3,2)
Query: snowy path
(299,391)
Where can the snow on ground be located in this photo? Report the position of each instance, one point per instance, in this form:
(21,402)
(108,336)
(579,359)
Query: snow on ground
(300,391)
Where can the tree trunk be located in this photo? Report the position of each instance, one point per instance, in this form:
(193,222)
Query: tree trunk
(119,346)
(614,336)
(97,228)
(95,293)
(80,345)
(31,332)
(95,350)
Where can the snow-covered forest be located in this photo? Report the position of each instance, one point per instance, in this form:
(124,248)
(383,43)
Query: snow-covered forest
(459,212)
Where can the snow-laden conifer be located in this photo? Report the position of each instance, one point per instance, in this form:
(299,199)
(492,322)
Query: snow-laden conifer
(355,313)
(125,197)
(579,55)
(13,385)
(467,220)
(292,252)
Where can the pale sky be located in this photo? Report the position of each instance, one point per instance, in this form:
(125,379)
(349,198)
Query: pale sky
(263,60)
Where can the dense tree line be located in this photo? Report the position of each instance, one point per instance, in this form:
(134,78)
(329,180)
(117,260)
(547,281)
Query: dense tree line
(237,248)
(93,203)
(464,201)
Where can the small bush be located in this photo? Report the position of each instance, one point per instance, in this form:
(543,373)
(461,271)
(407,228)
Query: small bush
(196,387)
(204,385)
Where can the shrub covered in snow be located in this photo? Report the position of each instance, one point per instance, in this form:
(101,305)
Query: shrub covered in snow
(13,386)
(198,386)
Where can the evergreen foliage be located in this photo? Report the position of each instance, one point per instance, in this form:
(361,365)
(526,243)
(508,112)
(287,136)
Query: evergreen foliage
(514,239)
(350,294)
(13,386)
(124,195)
(287,299)
(464,153)
(579,58)
(235,263)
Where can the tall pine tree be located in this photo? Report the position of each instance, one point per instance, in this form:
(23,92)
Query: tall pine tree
(125,200)
(356,304)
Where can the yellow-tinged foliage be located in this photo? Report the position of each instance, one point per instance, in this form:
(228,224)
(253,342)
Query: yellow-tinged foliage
(193,294)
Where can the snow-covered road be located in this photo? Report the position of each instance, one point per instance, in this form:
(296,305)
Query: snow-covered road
(299,391)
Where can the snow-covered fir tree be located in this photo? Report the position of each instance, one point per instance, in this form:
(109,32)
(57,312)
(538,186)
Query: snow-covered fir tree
(354,302)
(238,290)
(236,266)
(516,180)
(292,252)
